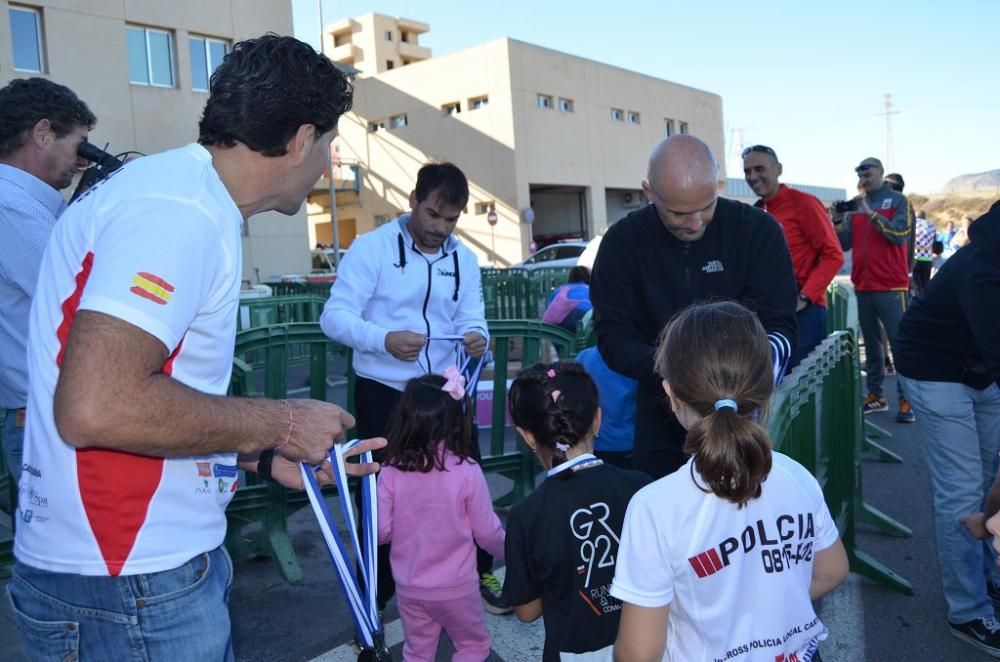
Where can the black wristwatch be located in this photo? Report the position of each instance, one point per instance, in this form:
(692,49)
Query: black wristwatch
(264,464)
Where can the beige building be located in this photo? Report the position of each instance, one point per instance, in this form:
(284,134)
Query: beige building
(543,136)
(143,67)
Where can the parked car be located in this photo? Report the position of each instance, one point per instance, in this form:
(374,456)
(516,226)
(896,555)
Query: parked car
(563,254)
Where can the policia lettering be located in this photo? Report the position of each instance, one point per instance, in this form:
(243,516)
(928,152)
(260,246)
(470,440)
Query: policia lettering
(788,541)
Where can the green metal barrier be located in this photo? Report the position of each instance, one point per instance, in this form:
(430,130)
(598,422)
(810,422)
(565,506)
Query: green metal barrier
(265,311)
(265,503)
(816,419)
(510,294)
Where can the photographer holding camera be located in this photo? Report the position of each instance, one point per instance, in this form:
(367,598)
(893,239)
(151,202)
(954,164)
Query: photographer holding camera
(42,126)
(948,358)
(875,226)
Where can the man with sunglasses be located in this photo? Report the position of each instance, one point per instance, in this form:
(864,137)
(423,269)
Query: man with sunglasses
(812,241)
(877,232)
(686,245)
(42,125)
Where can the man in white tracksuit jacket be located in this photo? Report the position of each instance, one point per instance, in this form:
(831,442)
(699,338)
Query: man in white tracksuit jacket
(406,295)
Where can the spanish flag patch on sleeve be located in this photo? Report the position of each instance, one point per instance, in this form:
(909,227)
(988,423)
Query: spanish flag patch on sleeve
(154,288)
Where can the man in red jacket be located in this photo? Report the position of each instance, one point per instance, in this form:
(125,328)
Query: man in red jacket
(877,231)
(812,241)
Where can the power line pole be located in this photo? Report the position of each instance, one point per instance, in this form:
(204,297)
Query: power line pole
(334,225)
(888,112)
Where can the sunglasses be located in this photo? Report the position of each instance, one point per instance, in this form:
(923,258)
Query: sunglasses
(865,167)
(759,148)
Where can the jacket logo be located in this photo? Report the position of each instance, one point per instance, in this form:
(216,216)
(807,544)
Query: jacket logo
(445,272)
(713,266)
(887,203)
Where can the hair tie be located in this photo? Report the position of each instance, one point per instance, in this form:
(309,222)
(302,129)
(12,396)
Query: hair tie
(562,447)
(726,404)
(551,373)
(555,395)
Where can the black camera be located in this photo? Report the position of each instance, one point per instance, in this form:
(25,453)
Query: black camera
(104,165)
(845,206)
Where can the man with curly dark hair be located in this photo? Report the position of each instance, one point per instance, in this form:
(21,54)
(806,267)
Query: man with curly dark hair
(42,125)
(134,450)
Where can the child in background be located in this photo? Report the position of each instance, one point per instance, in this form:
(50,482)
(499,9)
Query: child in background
(722,559)
(434,505)
(562,539)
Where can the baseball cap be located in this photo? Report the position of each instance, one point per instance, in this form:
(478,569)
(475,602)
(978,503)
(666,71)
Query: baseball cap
(870,162)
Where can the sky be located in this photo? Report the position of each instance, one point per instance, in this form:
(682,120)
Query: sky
(808,79)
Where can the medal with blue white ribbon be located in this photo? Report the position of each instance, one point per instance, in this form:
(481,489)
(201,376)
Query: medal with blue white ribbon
(361,598)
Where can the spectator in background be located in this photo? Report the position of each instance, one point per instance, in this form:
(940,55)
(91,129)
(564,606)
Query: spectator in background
(877,231)
(616,393)
(42,125)
(948,354)
(946,237)
(568,303)
(812,242)
(923,252)
(896,181)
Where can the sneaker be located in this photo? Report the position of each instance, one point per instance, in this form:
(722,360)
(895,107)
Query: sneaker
(491,588)
(905,413)
(874,403)
(983,633)
(993,591)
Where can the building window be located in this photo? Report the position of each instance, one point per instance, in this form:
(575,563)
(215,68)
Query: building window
(617,114)
(484,207)
(668,127)
(633,117)
(26,35)
(397,121)
(376,126)
(453,108)
(566,105)
(388,35)
(404,36)
(150,57)
(389,64)
(476,103)
(341,39)
(545,101)
(684,127)
(206,56)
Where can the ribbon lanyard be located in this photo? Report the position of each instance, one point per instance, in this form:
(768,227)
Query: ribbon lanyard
(579,462)
(472,368)
(360,599)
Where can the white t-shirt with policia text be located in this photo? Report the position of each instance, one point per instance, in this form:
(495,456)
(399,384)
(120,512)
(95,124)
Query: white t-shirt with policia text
(736,579)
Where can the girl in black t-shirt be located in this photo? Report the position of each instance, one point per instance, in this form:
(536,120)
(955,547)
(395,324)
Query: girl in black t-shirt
(562,540)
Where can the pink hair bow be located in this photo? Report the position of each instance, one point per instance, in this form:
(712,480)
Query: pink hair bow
(455,383)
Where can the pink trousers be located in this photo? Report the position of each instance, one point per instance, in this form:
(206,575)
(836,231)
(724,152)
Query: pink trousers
(462,618)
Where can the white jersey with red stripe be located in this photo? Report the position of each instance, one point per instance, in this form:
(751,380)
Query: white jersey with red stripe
(157,245)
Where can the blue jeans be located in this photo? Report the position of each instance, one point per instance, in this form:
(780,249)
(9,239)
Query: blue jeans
(812,331)
(12,440)
(179,614)
(960,430)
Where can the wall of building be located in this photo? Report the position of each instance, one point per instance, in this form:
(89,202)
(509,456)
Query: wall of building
(85,49)
(480,142)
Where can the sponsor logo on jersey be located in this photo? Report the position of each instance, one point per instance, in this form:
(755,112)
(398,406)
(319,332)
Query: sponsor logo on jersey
(204,469)
(224,470)
(152,288)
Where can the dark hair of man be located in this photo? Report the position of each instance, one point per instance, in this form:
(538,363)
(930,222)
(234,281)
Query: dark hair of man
(578,274)
(719,351)
(556,403)
(446,180)
(26,101)
(268,87)
(427,421)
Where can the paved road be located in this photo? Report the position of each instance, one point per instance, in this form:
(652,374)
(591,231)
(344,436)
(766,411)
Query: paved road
(273,620)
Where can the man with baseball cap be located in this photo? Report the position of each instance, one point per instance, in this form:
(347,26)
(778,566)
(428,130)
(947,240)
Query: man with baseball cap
(877,231)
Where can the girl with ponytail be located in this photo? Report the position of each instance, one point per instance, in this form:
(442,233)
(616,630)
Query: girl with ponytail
(728,552)
(562,540)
